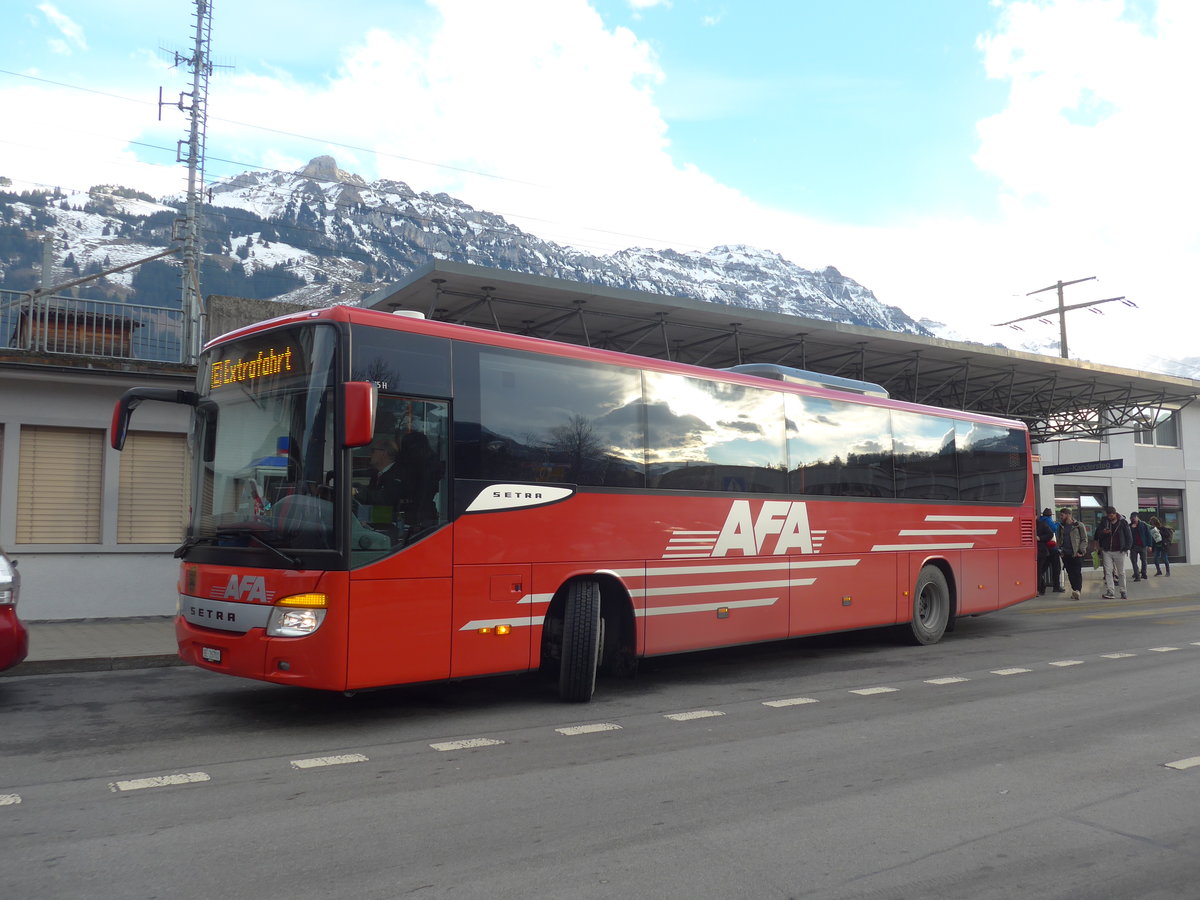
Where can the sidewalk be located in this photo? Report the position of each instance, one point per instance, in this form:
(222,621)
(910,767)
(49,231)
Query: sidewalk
(101,645)
(98,645)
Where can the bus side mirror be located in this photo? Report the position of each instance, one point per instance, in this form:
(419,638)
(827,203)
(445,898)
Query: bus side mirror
(359,399)
(132,398)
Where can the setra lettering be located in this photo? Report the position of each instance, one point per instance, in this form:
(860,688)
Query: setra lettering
(517,495)
(217,614)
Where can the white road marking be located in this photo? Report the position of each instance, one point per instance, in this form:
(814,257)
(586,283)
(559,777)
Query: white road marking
(1188,763)
(139,784)
(1013,671)
(9,799)
(1063,663)
(1143,613)
(694,714)
(1117,655)
(793,701)
(588,729)
(1162,649)
(469,744)
(867,692)
(949,679)
(318,761)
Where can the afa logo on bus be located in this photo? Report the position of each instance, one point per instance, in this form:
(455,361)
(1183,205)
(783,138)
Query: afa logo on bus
(779,528)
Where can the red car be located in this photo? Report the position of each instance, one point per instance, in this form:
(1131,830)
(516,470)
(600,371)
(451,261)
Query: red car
(14,640)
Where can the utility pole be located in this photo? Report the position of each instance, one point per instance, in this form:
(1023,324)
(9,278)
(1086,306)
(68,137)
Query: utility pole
(1062,310)
(195,105)
(47,274)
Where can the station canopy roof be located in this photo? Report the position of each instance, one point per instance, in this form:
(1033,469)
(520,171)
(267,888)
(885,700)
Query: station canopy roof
(1058,398)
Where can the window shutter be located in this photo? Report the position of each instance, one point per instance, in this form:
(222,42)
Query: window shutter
(153,501)
(59,485)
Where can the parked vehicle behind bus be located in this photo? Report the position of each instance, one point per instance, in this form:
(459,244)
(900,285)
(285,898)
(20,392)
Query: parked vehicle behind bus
(14,640)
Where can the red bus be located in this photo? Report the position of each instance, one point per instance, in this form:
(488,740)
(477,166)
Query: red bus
(380,500)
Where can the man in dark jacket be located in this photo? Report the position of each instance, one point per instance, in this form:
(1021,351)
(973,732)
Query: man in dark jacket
(1141,545)
(1114,539)
(1045,547)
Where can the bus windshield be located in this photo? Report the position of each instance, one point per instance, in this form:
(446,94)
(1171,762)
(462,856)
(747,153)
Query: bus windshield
(265,443)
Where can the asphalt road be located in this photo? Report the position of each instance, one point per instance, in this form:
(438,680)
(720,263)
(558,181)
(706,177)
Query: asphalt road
(1048,751)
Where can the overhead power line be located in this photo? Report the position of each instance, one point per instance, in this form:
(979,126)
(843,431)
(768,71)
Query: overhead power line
(1062,310)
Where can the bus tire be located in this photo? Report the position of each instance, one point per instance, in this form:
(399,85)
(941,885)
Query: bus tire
(581,641)
(931,607)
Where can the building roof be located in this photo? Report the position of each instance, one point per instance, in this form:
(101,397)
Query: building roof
(1057,398)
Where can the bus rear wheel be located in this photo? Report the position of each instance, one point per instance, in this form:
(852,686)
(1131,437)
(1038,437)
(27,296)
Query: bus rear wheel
(581,639)
(931,607)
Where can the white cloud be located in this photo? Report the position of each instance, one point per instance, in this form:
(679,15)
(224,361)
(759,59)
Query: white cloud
(538,111)
(1094,157)
(72,33)
(85,141)
(558,116)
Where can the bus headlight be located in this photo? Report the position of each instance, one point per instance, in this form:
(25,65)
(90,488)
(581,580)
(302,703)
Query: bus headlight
(297,616)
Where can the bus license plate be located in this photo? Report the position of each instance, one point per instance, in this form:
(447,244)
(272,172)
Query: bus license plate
(210,654)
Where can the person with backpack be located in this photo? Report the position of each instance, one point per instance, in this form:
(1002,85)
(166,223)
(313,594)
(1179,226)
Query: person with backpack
(1050,568)
(1161,537)
(1114,539)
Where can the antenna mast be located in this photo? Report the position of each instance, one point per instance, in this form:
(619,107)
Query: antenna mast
(195,105)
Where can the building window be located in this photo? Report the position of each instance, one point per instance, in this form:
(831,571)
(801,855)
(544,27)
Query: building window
(1162,431)
(59,485)
(1085,503)
(153,500)
(1167,505)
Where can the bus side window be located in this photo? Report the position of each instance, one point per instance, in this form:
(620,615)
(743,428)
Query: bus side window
(400,483)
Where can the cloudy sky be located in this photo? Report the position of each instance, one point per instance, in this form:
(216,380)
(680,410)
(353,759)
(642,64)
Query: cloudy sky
(952,155)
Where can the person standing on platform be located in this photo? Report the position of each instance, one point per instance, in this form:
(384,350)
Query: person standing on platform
(1045,546)
(1113,538)
(1161,535)
(1072,543)
(1142,541)
(1051,574)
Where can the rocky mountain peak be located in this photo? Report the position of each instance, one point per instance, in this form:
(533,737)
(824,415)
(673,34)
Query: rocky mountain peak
(323,235)
(325,168)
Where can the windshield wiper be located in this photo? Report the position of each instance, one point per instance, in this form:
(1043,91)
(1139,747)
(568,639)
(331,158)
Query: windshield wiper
(294,562)
(190,543)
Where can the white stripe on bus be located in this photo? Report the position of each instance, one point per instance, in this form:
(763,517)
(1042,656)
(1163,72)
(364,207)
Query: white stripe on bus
(518,622)
(889,547)
(715,568)
(704,607)
(928,532)
(968,518)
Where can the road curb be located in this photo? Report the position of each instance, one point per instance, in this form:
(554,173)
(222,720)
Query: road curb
(93,664)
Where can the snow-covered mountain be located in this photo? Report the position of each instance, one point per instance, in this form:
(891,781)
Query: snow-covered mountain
(1026,343)
(323,236)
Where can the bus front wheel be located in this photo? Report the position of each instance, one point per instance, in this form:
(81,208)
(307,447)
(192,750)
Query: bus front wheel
(931,607)
(581,638)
